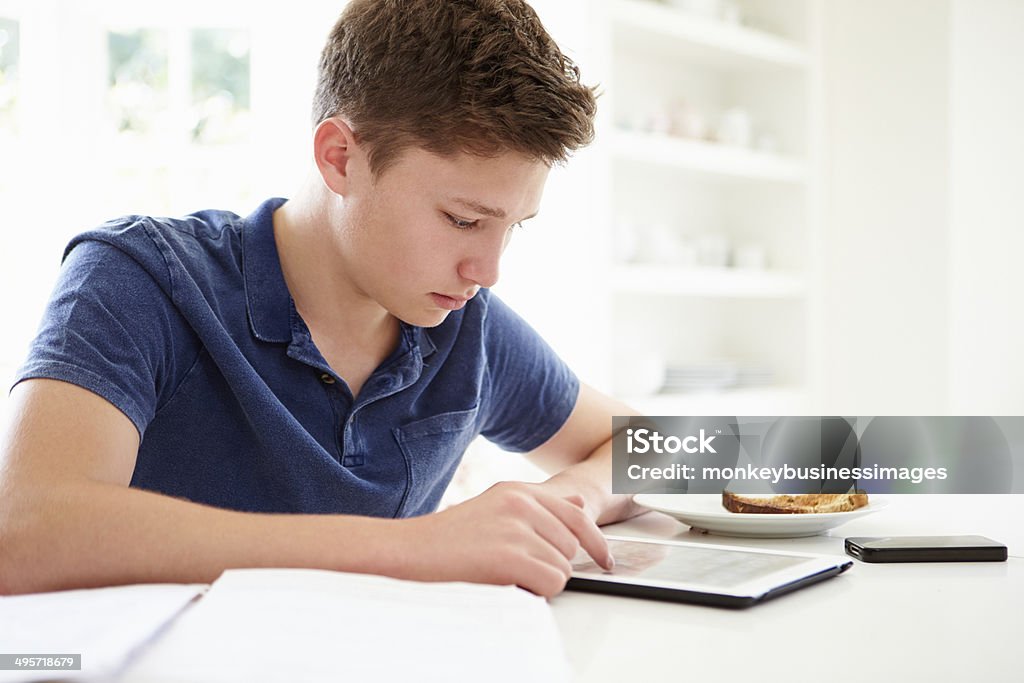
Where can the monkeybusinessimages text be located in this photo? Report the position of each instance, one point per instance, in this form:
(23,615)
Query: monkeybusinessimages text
(646,441)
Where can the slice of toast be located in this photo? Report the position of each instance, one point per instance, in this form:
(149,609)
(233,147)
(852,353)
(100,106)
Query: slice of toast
(806,503)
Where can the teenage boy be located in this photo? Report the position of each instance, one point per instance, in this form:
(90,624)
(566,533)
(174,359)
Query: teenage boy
(296,388)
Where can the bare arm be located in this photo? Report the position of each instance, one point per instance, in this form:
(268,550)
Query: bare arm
(68,518)
(579,456)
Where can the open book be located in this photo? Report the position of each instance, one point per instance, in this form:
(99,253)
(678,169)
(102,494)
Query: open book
(99,628)
(311,625)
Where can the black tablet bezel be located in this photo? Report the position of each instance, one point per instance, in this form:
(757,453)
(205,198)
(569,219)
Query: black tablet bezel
(671,593)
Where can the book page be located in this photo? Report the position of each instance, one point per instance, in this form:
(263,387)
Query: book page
(102,625)
(306,624)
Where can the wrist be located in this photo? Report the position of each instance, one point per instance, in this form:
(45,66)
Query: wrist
(600,504)
(595,497)
(371,545)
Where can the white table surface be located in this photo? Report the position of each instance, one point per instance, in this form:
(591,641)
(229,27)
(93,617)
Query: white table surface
(876,622)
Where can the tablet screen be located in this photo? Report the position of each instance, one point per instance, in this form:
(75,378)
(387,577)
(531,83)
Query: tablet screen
(702,568)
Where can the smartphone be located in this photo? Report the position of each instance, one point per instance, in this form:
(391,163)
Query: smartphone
(926,549)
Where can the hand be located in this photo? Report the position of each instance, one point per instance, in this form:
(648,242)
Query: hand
(512,533)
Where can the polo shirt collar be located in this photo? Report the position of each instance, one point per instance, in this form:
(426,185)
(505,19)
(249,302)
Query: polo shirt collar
(426,344)
(267,297)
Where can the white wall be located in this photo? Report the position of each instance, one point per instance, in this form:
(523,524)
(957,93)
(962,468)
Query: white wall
(986,248)
(886,221)
(925,207)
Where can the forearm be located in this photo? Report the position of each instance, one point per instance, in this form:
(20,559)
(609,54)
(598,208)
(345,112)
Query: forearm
(83,534)
(592,478)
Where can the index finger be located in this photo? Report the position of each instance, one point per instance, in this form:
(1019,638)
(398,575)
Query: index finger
(582,527)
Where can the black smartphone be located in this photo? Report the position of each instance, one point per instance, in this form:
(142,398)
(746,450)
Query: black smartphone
(926,549)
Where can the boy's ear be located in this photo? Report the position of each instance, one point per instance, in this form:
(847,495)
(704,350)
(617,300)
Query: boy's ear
(334,146)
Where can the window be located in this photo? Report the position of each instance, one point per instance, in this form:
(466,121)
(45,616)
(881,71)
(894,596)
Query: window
(178,113)
(189,85)
(138,74)
(220,86)
(9,49)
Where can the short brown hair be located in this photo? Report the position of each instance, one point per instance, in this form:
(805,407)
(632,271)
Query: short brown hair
(477,76)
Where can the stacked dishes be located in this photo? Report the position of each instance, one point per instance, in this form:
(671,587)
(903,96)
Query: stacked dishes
(715,376)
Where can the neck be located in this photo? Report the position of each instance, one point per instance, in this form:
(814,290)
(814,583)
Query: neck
(314,271)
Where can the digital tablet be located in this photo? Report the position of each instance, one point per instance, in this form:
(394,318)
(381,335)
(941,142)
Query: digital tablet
(721,575)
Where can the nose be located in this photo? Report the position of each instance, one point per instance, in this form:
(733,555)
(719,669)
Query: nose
(482,265)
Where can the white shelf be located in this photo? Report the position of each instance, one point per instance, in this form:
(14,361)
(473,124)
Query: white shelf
(706,157)
(707,282)
(713,43)
(674,70)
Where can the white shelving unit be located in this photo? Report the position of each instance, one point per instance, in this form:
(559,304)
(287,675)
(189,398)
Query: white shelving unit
(705,157)
(715,232)
(707,282)
(704,39)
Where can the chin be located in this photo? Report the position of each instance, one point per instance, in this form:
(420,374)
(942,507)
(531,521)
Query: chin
(435,319)
(423,318)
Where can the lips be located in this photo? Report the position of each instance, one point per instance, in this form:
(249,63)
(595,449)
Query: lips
(451,303)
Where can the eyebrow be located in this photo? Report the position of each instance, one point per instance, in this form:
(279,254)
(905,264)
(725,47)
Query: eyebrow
(485,210)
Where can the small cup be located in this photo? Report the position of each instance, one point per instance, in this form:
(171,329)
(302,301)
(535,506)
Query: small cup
(730,13)
(750,256)
(713,251)
(688,122)
(736,128)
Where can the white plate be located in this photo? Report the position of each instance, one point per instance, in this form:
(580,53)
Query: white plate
(704,512)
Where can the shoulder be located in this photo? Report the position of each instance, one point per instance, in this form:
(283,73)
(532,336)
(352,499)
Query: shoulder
(159,247)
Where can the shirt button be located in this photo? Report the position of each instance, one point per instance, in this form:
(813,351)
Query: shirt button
(326,379)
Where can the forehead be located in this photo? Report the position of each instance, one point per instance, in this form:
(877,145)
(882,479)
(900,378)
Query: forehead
(509,183)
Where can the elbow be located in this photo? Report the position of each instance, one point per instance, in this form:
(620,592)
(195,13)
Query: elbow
(20,565)
(12,569)
(8,554)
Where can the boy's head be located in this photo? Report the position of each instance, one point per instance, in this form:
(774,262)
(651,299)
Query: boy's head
(449,76)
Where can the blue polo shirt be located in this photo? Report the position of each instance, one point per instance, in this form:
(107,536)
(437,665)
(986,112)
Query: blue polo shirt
(186,325)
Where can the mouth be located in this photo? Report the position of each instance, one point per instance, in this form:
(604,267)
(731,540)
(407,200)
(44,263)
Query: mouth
(450,303)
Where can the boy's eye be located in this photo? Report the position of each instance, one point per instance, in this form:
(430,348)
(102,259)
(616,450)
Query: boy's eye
(460,223)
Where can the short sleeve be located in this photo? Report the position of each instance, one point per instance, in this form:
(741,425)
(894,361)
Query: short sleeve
(531,390)
(109,327)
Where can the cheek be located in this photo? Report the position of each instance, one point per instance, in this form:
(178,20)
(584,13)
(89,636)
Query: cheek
(415,252)
(404,245)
